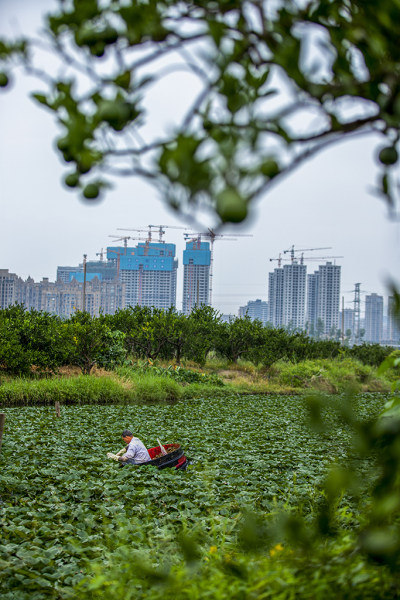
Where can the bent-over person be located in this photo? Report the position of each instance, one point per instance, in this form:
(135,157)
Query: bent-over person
(135,453)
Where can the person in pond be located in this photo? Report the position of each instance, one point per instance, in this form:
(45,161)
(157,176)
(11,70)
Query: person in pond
(135,453)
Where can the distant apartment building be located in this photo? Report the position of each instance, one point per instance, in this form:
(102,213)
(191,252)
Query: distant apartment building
(63,273)
(373,323)
(328,298)
(227,318)
(312,300)
(62,298)
(275,297)
(9,288)
(348,321)
(294,295)
(107,270)
(323,298)
(196,275)
(393,322)
(256,310)
(148,272)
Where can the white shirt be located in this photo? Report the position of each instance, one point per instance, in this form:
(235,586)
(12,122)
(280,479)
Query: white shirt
(137,451)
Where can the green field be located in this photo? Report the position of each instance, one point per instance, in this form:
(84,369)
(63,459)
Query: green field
(75,524)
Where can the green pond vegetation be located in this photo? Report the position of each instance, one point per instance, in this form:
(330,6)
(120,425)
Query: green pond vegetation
(278,501)
(293,486)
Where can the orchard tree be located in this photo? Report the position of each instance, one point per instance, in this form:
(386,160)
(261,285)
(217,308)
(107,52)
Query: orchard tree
(91,342)
(274,83)
(204,327)
(241,338)
(31,339)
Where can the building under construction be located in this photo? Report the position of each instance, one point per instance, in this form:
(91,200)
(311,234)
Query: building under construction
(148,272)
(196,274)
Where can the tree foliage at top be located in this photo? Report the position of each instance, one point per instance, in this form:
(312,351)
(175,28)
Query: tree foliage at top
(274,83)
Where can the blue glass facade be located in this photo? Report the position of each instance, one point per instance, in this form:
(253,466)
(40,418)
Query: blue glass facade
(197,254)
(89,276)
(151,257)
(196,275)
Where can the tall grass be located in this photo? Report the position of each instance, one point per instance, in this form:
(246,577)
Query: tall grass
(132,386)
(333,376)
(86,389)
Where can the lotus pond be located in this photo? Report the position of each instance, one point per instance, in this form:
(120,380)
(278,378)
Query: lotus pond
(74,522)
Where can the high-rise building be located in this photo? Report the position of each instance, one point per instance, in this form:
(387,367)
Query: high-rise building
(106,270)
(373,318)
(323,298)
(312,299)
(63,273)
(256,309)
(393,323)
(275,297)
(328,296)
(348,321)
(149,273)
(64,299)
(294,295)
(196,275)
(10,285)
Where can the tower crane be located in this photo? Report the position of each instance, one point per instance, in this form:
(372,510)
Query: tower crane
(120,239)
(303,258)
(101,254)
(161,229)
(292,250)
(280,259)
(212,236)
(147,240)
(150,232)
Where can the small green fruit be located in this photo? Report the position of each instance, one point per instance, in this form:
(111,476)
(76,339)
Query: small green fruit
(98,49)
(4,79)
(91,191)
(116,113)
(388,156)
(72,180)
(231,207)
(109,35)
(270,168)
(63,144)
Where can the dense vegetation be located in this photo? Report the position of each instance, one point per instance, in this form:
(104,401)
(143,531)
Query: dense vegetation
(43,342)
(268,507)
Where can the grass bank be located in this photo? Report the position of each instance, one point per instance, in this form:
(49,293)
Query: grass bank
(330,376)
(147,383)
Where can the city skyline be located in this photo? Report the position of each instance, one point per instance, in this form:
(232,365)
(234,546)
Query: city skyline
(329,201)
(66,273)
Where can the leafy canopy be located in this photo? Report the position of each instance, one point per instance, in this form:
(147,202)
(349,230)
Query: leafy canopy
(273,84)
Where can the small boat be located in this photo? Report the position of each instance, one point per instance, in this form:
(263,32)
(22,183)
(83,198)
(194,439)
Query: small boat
(174,457)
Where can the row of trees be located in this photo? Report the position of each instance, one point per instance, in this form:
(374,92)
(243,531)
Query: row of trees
(32,339)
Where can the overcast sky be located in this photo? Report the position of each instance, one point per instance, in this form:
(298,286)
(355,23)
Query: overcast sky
(327,202)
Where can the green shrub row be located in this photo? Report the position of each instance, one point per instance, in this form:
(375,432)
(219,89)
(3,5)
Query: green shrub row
(40,342)
(88,390)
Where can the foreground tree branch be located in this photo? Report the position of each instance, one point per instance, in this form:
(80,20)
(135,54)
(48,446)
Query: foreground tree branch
(253,70)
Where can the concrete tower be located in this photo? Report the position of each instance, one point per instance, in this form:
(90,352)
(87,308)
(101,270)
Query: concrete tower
(373,318)
(275,297)
(294,295)
(256,309)
(328,296)
(196,275)
(149,273)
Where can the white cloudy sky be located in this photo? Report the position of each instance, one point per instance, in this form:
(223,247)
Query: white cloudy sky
(325,203)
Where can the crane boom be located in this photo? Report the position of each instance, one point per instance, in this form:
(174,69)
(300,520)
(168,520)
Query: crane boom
(292,250)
